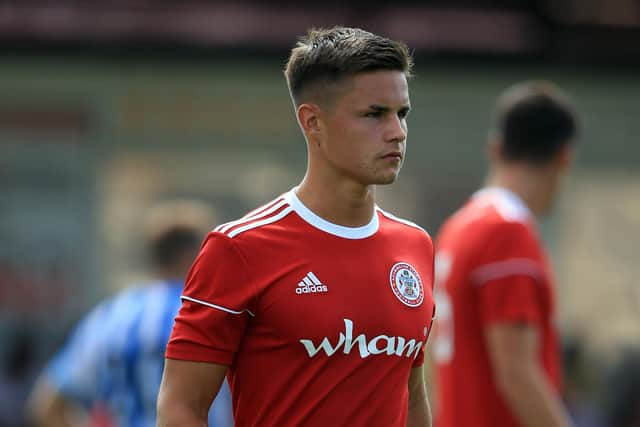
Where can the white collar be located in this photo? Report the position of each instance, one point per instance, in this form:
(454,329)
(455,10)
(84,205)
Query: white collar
(509,204)
(316,221)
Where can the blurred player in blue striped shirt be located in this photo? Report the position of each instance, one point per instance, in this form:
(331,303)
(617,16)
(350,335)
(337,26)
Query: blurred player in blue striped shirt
(109,371)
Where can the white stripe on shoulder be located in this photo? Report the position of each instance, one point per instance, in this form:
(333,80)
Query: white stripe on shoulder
(400,220)
(264,207)
(225,227)
(286,211)
(217,307)
(510,267)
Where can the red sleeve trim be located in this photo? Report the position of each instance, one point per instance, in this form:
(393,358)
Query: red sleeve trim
(506,268)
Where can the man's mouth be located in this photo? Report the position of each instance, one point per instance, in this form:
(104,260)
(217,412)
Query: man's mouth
(393,155)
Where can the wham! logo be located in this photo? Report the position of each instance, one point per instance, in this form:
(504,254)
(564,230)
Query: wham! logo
(382,344)
(310,284)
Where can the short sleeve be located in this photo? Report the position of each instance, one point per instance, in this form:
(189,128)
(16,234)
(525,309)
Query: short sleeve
(509,277)
(74,370)
(217,304)
(514,299)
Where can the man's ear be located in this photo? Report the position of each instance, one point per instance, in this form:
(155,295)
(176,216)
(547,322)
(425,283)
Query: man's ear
(565,156)
(309,118)
(494,149)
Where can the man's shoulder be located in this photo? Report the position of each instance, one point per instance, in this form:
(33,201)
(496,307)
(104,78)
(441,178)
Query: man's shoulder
(482,229)
(260,218)
(124,305)
(105,320)
(402,225)
(135,293)
(495,208)
(479,217)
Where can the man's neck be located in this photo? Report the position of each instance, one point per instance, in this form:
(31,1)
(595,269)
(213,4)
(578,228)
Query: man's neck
(526,184)
(347,203)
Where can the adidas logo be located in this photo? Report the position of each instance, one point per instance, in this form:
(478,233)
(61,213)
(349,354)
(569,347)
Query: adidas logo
(310,284)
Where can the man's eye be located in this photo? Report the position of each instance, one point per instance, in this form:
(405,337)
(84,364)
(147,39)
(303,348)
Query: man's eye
(403,114)
(373,114)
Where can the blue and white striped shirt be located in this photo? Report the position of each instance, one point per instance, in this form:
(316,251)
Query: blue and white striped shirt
(115,356)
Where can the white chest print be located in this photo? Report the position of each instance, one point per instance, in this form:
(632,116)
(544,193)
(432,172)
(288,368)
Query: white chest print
(381,344)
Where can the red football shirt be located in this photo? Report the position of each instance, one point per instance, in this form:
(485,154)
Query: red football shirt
(319,324)
(490,268)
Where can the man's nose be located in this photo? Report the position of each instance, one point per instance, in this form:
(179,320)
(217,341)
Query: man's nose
(397,131)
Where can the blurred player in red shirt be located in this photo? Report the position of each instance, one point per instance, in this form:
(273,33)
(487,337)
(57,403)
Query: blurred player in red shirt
(318,305)
(496,346)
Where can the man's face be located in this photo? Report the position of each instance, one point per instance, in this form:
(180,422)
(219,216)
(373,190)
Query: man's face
(365,128)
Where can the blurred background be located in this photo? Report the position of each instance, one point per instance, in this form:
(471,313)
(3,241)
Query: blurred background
(109,107)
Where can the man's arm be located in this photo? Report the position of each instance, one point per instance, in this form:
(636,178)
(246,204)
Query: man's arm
(69,380)
(186,392)
(419,414)
(48,407)
(513,351)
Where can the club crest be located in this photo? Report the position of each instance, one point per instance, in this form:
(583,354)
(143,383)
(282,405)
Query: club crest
(406,284)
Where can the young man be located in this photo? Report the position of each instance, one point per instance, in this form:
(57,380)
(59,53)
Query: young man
(318,305)
(496,346)
(109,371)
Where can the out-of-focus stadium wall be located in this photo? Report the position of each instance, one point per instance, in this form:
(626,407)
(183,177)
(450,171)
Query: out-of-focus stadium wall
(86,146)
